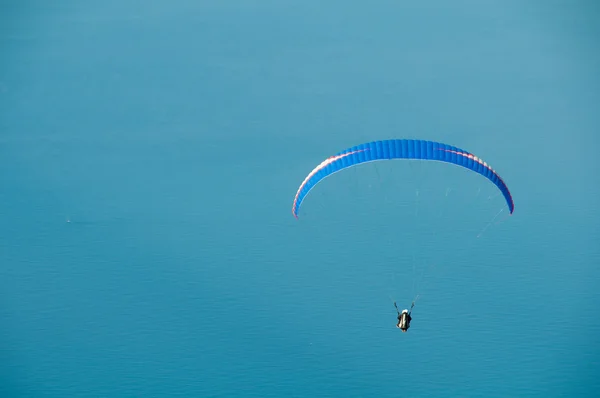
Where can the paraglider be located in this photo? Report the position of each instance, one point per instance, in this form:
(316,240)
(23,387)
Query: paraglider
(399,149)
(404,318)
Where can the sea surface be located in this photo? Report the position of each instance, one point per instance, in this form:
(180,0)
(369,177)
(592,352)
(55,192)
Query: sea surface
(150,152)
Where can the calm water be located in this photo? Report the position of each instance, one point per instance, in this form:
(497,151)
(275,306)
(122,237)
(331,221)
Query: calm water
(149,155)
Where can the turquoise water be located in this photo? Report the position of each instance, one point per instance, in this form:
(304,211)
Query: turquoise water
(149,155)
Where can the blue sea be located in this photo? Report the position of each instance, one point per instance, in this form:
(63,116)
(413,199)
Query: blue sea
(150,152)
